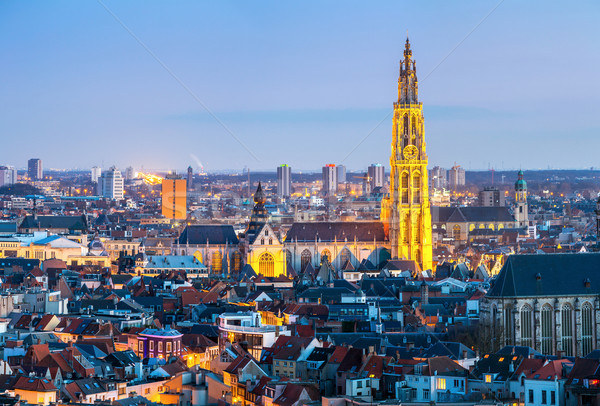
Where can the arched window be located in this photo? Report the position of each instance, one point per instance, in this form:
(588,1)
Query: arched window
(456,232)
(327,254)
(405,226)
(236,259)
(405,187)
(414,126)
(566,318)
(587,328)
(417,188)
(526,330)
(288,258)
(198,256)
(406,124)
(305,258)
(546,327)
(216,262)
(508,325)
(266,265)
(344,257)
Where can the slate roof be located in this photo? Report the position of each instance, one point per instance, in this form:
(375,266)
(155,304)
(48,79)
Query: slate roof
(548,275)
(213,234)
(472,214)
(44,222)
(329,231)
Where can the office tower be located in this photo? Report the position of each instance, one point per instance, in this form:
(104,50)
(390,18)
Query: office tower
(190,178)
(284,180)
(96,174)
(456,177)
(34,169)
(174,197)
(330,181)
(491,197)
(521,215)
(129,174)
(8,175)
(111,184)
(376,175)
(406,213)
(438,178)
(341,174)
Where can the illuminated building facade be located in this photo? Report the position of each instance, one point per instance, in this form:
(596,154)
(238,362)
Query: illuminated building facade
(330,180)
(174,199)
(163,343)
(111,184)
(406,212)
(264,251)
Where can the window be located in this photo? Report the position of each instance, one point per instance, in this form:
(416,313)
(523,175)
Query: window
(141,346)
(526,332)
(169,347)
(425,394)
(404,188)
(266,265)
(417,188)
(488,378)
(305,259)
(160,346)
(552,397)
(359,384)
(530,395)
(508,325)
(326,254)
(566,315)
(151,345)
(270,241)
(441,383)
(546,321)
(344,257)
(587,327)
(262,241)
(216,262)
(544,400)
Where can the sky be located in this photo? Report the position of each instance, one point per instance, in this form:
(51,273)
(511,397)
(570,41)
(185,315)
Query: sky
(234,84)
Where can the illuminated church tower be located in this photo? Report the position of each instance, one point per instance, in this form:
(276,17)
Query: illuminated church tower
(521,215)
(406,214)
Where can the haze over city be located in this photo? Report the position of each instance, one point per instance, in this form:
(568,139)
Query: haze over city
(503,84)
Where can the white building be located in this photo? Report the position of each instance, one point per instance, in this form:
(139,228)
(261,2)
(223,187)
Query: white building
(111,184)
(330,180)
(8,175)
(376,174)
(284,180)
(96,174)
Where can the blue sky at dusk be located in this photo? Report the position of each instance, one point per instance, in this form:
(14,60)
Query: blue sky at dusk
(300,83)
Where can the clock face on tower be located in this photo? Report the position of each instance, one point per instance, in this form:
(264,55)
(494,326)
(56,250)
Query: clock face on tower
(410,152)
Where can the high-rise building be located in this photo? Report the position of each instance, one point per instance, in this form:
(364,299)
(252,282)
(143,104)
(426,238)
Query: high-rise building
(456,177)
(34,169)
(174,197)
(330,180)
(491,197)
(376,175)
(8,175)
(96,174)
(439,180)
(190,178)
(110,184)
(521,215)
(406,213)
(341,174)
(129,174)
(284,180)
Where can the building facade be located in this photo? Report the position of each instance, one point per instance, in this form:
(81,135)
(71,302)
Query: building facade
(521,215)
(406,212)
(284,180)
(549,302)
(111,184)
(376,174)
(456,177)
(330,180)
(439,178)
(8,175)
(174,199)
(491,197)
(96,173)
(34,169)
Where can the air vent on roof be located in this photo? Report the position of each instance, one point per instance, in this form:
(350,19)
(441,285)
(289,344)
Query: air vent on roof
(587,282)
(538,276)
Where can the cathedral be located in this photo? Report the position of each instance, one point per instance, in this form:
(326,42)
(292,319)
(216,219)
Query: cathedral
(406,213)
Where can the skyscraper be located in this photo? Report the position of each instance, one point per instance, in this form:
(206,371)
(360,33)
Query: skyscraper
(129,173)
(190,178)
(284,180)
(111,184)
(96,174)
(330,180)
(376,174)
(174,198)
(407,211)
(8,175)
(341,174)
(34,169)
(456,177)
(439,178)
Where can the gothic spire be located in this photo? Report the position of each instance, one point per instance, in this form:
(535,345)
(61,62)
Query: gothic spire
(408,89)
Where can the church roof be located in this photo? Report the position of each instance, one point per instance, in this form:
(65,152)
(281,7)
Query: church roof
(548,275)
(329,231)
(211,234)
(54,222)
(472,214)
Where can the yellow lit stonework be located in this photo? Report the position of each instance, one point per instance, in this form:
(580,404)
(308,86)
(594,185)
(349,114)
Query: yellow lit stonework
(406,213)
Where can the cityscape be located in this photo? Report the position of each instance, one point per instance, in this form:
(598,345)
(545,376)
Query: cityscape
(396,275)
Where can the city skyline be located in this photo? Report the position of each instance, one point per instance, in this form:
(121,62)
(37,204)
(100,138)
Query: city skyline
(303,86)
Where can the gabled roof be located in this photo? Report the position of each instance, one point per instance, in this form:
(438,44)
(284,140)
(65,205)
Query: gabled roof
(35,384)
(339,231)
(50,222)
(208,234)
(530,275)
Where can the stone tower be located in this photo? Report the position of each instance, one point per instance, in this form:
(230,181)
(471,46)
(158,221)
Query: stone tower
(521,215)
(406,213)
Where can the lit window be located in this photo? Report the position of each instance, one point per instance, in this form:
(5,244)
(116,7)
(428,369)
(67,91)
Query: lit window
(169,349)
(442,383)
(488,379)
(160,346)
